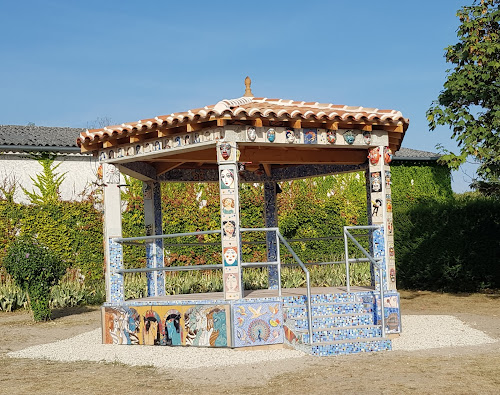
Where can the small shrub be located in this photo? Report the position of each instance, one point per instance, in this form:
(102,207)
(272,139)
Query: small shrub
(35,269)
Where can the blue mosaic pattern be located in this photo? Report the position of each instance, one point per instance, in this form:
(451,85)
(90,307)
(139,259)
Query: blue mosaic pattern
(378,242)
(160,276)
(337,320)
(154,250)
(331,335)
(115,279)
(148,302)
(271,222)
(337,333)
(325,309)
(351,347)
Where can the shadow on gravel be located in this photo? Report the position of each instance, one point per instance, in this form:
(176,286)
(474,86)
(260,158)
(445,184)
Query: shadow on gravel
(67,311)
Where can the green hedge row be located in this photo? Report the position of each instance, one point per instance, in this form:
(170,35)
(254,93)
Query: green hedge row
(72,230)
(452,246)
(441,242)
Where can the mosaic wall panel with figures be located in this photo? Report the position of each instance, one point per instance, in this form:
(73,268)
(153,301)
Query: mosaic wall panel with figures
(176,325)
(257,324)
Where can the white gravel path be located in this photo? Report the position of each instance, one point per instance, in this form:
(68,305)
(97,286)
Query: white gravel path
(422,332)
(419,332)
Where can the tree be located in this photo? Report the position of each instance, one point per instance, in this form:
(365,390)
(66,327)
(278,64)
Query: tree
(470,101)
(47,182)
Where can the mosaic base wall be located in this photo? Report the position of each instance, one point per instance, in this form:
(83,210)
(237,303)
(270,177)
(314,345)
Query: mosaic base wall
(257,324)
(172,325)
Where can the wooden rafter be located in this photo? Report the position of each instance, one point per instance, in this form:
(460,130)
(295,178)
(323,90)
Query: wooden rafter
(162,168)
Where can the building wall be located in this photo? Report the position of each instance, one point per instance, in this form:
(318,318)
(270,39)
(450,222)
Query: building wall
(81,172)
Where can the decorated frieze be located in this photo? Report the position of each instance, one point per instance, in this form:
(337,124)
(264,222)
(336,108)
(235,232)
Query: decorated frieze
(249,134)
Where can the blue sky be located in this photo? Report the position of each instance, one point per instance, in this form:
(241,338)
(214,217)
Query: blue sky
(66,63)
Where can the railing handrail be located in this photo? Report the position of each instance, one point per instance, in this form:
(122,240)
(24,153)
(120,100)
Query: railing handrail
(125,240)
(308,283)
(375,262)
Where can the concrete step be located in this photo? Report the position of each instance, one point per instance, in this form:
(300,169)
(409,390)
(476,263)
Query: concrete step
(345,347)
(322,335)
(323,309)
(322,298)
(336,320)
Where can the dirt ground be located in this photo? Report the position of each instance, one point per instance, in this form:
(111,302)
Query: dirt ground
(458,370)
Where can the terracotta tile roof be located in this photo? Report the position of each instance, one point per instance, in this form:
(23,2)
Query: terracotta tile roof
(249,107)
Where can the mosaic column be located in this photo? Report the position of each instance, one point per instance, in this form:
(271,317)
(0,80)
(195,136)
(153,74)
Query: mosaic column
(380,208)
(113,252)
(154,250)
(230,221)
(271,214)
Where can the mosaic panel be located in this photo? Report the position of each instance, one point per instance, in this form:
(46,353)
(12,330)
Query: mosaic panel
(257,324)
(115,279)
(172,325)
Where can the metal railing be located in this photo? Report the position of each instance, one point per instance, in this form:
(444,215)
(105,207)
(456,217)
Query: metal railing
(144,240)
(279,237)
(375,262)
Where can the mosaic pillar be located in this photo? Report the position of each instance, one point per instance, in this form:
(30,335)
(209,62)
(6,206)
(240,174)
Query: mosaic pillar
(154,250)
(380,208)
(230,221)
(271,214)
(113,253)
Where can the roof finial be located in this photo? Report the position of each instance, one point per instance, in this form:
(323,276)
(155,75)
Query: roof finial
(248,91)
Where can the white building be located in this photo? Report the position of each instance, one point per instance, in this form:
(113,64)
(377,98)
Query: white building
(17,165)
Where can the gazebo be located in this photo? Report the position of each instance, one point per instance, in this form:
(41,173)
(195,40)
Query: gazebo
(257,140)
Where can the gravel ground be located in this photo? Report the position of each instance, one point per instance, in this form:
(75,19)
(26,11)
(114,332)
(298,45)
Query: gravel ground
(422,332)
(419,332)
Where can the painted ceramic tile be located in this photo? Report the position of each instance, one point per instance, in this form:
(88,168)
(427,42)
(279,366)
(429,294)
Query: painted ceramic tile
(310,136)
(251,134)
(257,324)
(231,282)
(377,208)
(349,137)
(226,178)
(225,150)
(271,135)
(331,136)
(388,201)
(228,205)
(375,181)
(387,178)
(367,137)
(230,255)
(387,155)
(290,135)
(228,229)
(374,156)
